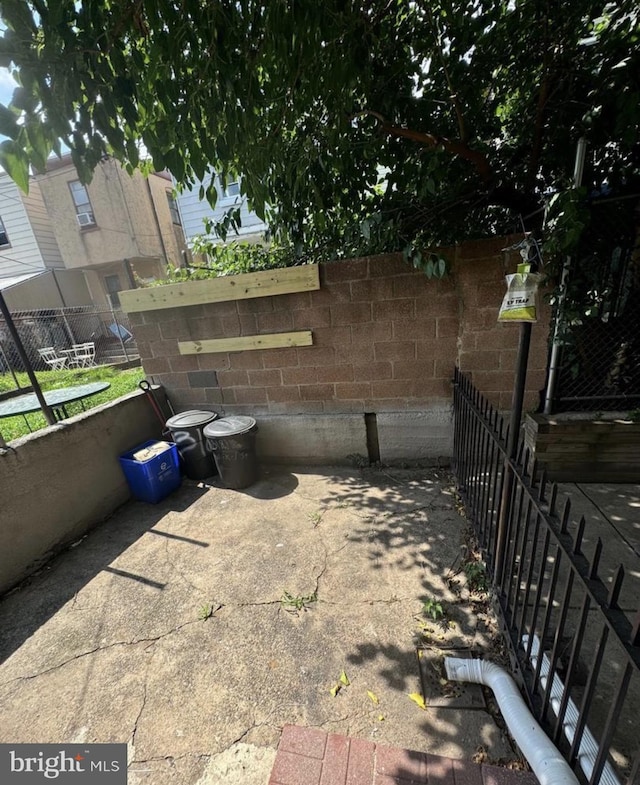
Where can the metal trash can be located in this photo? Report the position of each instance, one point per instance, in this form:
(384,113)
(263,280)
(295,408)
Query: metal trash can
(187,432)
(232,440)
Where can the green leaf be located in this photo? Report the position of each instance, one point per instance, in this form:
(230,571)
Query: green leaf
(14,159)
(418,700)
(8,122)
(373,697)
(344,679)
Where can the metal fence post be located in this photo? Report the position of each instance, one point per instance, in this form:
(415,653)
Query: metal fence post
(115,321)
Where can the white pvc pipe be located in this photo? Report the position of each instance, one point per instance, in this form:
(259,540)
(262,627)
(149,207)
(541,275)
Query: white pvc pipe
(547,763)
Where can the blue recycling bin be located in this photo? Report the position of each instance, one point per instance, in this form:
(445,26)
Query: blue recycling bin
(153,479)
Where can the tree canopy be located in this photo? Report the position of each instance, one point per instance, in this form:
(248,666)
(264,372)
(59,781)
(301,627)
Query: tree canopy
(355,124)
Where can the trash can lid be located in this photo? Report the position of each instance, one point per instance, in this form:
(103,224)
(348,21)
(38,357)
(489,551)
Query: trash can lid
(191,419)
(234,425)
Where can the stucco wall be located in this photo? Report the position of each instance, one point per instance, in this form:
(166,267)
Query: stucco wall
(385,343)
(57,483)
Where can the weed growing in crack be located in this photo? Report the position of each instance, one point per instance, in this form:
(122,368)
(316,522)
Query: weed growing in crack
(433,608)
(476,573)
(315,517)
(205,611)
(296,603)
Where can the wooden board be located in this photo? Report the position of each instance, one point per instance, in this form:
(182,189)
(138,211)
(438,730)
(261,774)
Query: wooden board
(247,342)
(265,283)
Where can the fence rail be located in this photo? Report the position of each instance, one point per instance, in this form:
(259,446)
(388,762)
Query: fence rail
(61,328)
(575,649)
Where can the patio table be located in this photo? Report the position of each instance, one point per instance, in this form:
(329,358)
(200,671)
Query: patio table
(57,400)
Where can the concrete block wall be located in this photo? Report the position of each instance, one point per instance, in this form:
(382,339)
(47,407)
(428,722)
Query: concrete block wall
(386,340)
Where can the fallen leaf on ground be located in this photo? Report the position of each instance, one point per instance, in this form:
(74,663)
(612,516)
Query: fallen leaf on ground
(344,679)
(335,690)
(418,700)
(373,696)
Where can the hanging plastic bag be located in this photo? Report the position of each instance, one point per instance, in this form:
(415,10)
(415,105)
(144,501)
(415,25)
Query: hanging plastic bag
(520,301)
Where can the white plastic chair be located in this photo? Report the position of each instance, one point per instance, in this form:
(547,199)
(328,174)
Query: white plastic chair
(84,354)
(52,358)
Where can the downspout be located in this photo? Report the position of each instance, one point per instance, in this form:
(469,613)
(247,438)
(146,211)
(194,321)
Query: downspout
(547,763)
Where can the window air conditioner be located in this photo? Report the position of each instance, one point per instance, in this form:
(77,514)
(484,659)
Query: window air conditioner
(85,219)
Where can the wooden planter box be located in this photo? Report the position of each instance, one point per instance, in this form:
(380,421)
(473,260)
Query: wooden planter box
(578,447)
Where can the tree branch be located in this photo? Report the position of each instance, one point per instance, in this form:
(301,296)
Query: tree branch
(462,149)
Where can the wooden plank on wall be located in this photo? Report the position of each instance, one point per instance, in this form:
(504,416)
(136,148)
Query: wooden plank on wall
(265,283)
(247,342)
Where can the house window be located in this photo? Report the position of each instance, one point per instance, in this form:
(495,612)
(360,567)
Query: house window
(84,211)
(232,189)
(4,237)
(173,209)
(112,285)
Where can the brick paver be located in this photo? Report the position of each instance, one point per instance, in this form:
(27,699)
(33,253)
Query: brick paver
(308,756)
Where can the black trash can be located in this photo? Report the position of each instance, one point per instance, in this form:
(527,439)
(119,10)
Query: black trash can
(232,440)
(187,432)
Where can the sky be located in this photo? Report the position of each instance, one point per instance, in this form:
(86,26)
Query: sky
(7,86)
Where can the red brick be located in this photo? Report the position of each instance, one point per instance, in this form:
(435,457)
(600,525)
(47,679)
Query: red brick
(493,381)
(361,757)
(310,742)
(404,764)
(372,290)
(447,325)
(334,373)
(368,333)
(164,348)
(387,265)
(393,388)
(414,329)
(501,336)
(350,313)
(248,324)
(347,390)
(466,773)
(316,392)
(144,348)
(316,355)
(370,371)
(174,380)
(136,318)
(291,302)
(413,369)
(213,361)
(156,365)
(207,327)
(251,395)
(270,378)
(392,310)
(331,336)
(508,359)
(345,406)
(178,328)
(300,375)
(246,360)
(282,394)
(330,295)
(280,358)
(479,361)
(439,770)
(279,320)
(288,771)
(185,362)
(312,318)
(231,325)
(350,270)
(334,768)
(233,378)
(147,332)
(395,350)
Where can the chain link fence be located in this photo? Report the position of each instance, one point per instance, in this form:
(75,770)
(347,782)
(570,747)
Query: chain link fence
(599,329)
(61,329)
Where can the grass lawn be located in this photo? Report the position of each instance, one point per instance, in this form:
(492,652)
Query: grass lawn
(121,382)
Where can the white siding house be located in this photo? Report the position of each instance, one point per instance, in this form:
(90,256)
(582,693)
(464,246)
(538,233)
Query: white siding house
(27,242)
(193,211)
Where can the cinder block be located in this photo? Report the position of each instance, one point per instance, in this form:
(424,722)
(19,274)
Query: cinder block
(415,436)
(311,439)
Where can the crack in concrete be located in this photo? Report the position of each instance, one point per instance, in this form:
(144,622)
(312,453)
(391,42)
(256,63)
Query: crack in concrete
(81,655)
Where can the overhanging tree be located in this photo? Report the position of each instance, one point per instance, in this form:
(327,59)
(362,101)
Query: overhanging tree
(369,125)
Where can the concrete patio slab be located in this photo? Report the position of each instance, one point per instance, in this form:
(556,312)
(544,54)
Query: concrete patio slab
(165,628)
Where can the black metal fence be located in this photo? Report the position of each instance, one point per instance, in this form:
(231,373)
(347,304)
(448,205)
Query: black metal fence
(574,650)
(61,328)
(599,323)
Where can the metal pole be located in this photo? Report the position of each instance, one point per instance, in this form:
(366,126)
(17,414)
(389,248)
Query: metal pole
(115,321)
(517,400)
(46,409)
(554,359)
